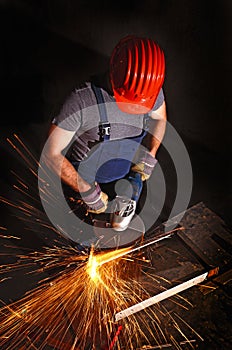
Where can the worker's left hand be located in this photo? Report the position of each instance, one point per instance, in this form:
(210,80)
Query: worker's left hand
(145,165)
(95,199)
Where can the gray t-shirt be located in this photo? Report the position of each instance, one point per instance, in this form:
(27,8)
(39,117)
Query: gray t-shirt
(80,114)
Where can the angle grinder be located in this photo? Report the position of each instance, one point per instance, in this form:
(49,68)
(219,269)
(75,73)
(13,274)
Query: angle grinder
(122,227)
(122,213)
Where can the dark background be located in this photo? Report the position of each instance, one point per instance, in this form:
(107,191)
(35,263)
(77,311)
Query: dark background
(48,47)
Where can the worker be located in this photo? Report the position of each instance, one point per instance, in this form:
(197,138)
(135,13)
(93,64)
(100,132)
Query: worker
(110,129)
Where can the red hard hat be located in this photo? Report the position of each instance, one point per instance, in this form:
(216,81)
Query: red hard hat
(137,69)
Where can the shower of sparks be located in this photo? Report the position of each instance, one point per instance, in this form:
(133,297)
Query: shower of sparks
(74,303)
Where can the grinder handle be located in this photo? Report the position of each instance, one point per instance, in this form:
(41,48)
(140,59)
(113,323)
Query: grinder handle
(137,185)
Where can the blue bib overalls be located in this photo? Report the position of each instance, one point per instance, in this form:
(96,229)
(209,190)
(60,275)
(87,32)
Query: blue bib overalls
(109,160)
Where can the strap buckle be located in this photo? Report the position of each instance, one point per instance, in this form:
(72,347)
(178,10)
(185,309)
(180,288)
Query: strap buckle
(104,131)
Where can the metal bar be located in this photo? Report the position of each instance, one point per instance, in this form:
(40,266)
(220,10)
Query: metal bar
(161,296)
(156,239)
(125,251)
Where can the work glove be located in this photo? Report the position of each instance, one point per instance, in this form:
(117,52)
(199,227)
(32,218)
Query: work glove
(95,199)
(145,165)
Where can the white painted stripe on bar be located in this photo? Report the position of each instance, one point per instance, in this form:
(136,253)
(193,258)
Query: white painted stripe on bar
(159,297)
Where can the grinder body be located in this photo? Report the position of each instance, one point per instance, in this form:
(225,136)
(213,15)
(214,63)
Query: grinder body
(124,205)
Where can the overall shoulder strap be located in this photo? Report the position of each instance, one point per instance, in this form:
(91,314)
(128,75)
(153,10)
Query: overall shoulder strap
(104,125)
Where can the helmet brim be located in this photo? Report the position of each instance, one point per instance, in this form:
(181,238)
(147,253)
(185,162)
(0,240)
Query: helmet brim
(134,107)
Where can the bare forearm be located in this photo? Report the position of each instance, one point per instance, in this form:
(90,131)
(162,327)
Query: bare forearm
(68,174)
(155,136)
(156,129)
(53,157)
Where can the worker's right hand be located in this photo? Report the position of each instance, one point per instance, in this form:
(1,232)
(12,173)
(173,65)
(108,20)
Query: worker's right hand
(95,199)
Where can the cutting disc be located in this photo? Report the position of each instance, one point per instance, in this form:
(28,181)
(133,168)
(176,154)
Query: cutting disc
(108,238)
